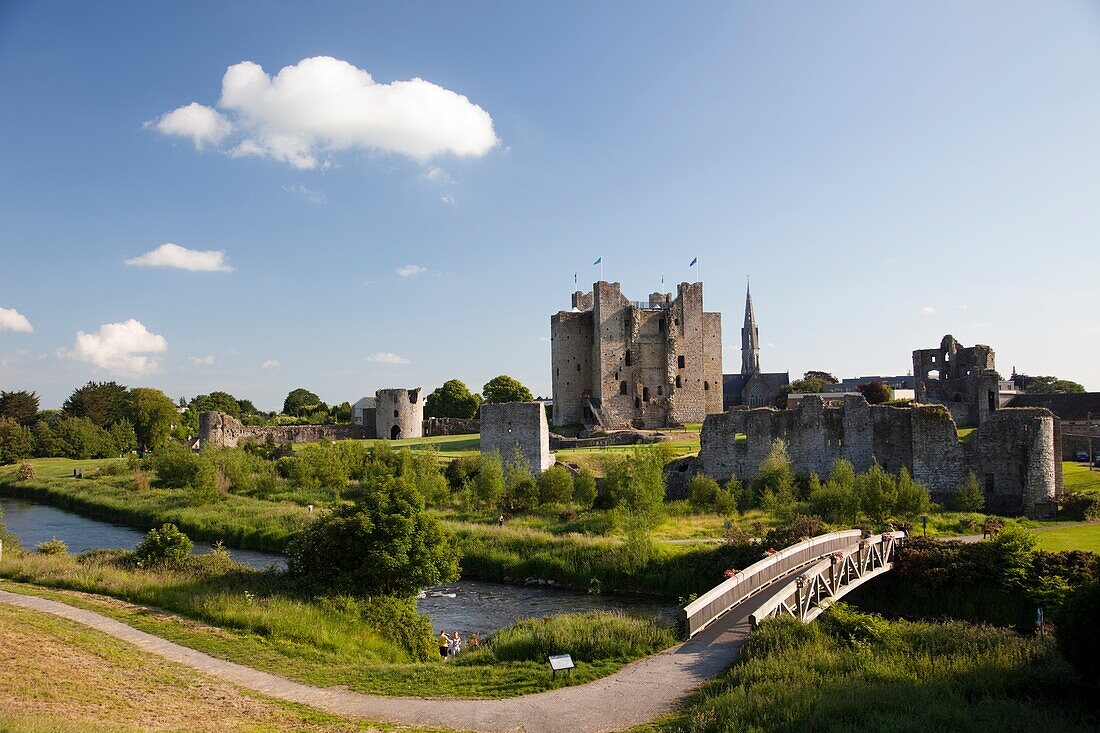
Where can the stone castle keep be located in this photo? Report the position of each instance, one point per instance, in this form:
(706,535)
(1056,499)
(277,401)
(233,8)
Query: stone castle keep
(619,363)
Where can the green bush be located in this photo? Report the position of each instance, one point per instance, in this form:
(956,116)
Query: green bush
(460,470)
(702,491)
(1077,639)
(489,482)
(969,497)
(164,546)
(555,486)
(176,467)
(51,547)
(395,618)
(584,488)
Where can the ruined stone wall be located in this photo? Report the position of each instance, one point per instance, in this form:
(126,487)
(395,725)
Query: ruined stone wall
(1013,453)
(963,379)
(610,313)
(219,429)
(509,426)
(450,426)
(571,358)
(399,413)
(712,364)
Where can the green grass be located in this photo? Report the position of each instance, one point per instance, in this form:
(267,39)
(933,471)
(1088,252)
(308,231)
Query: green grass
(243,617)
(965,434)
(855,672)
(1080,537)
(593,458)
(1078,477)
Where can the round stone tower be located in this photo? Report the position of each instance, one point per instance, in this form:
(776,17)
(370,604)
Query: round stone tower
(399,414)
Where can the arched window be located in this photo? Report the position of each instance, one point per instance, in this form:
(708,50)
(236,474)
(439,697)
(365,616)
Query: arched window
(622,387)
(645,394)
(756,398)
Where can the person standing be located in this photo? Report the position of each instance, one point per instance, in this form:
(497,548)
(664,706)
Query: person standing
(444,644)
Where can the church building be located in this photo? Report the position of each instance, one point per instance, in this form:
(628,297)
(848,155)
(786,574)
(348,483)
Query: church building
(752,387)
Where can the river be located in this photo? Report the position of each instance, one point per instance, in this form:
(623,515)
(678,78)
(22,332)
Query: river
(469,606)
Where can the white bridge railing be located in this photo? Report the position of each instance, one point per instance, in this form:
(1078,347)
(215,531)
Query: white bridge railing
(750,581)
(834,576)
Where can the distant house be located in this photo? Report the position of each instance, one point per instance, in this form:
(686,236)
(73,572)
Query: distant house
(907,381)
(363,411)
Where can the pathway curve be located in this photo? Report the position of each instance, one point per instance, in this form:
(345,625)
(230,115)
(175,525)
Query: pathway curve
(636,694)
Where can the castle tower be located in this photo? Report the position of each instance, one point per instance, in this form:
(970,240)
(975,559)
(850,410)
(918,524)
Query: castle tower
(750,339)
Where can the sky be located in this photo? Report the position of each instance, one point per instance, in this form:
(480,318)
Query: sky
(255,197)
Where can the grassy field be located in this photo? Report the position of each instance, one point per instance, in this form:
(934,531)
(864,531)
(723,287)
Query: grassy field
(1078,477)
(245,617)
(852,672)
(59,676)
(1079,537)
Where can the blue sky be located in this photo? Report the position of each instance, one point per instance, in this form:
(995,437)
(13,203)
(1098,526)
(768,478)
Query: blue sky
(885,172)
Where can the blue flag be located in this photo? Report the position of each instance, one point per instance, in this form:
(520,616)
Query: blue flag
(574,278)
(693,262)
(598,260)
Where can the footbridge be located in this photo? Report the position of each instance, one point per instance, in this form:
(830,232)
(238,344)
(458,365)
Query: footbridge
(797,580)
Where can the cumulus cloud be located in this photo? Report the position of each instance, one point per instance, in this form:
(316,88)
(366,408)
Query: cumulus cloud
(198,123)
(447,199)
(323,105)
(201,360)
(927,311)
(386,357)
(173,255)
(410,270)
(314,197)
(127,348)
(439,176)
(270,364)
(13,320)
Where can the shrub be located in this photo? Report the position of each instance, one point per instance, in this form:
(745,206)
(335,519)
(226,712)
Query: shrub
(164,546)
(774,485)
(16,442)
(555,486)
(461,470)
(396,619)
(913,498)
(877,493)
(1077,638)
(176,467)
(588,637)
(26,472)
(969,497)
(489,482)
(584,488)
(51,547)
(1080,506)
(702,491)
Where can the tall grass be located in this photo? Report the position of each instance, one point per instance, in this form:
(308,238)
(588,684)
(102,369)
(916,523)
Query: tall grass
(588,637)
(854,672)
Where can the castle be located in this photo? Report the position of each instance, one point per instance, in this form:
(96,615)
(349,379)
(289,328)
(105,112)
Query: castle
(650,364)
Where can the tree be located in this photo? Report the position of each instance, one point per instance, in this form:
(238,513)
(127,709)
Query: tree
(702,491)
(506,389)
(555,486)
(489,482)
(21,406)
(823,377)
(46,444)
(103,403)
(16,442)
(774,485)
(584,488)
(913,498)
(453,399)
(385,543)
(246,408)
(808,385)
(152,413)
(836,500)
(300,402)
(876,392)
(78,437)
(215,402)
(877,493)
(123,436)
(164,546)
(970,497)
(636,484)
(1051,385)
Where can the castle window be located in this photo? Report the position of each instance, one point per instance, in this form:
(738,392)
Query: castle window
(637,402)
(628,360)
(578,366)
(680,361)
(395,413)
(661,325)
(660,390)
(622,387)
(413,395)
(679,383)
(706,385)
(645,394)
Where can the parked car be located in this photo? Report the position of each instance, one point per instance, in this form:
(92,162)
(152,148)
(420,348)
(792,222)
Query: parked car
(1082,456)
(1096,460)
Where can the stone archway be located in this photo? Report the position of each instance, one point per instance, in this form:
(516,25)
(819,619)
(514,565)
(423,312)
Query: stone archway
(395,432)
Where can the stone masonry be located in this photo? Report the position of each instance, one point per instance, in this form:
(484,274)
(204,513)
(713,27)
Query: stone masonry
(399,413)
(962,379)
(619,364)
(509,426)
(1015,453)
(217,428)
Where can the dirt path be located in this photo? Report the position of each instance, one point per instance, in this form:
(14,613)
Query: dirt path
(638,693)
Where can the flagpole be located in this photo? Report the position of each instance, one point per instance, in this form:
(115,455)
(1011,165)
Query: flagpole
(601,268)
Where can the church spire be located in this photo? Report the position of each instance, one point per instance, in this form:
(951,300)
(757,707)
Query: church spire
(750,338)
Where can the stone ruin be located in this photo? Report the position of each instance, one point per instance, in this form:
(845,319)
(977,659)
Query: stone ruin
(399,413)
(510,426)
(1015,453)
(962,379)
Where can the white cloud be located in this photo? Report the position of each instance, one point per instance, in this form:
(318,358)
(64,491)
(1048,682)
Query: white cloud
(270,364)
(927,310)
(201,124)
(119,347)
(410,270)
(323,105)
(439,176)
(13,320)
(385,357)
(201,360)
(314,197)
(447,199)
(173,255)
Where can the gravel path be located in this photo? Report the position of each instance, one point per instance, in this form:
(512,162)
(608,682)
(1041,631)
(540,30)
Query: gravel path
(638,693)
